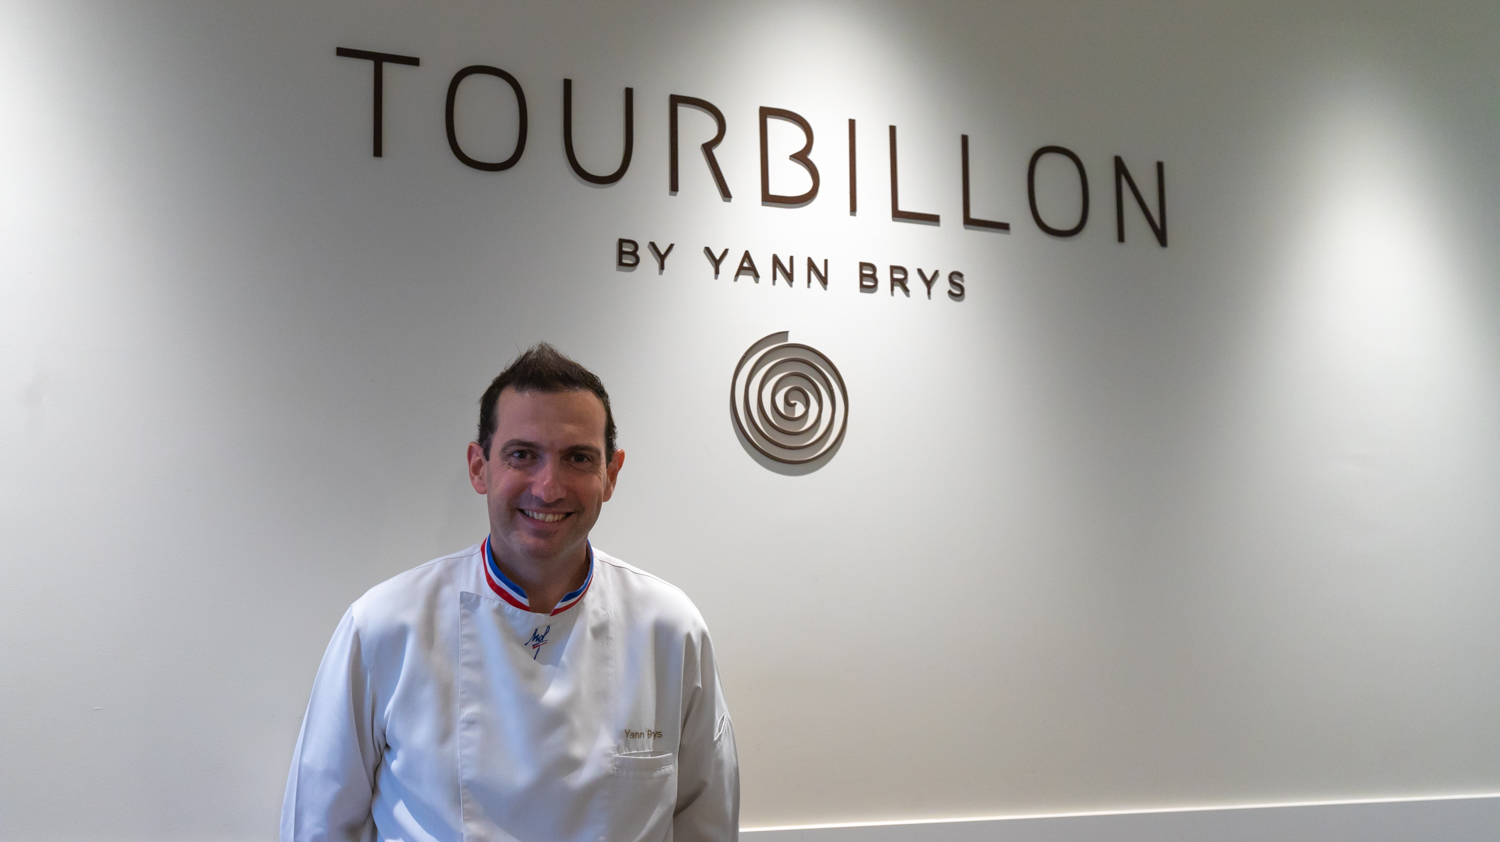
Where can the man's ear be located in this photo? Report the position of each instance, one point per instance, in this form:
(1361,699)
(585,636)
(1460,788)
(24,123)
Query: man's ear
(476,468)
(612,472)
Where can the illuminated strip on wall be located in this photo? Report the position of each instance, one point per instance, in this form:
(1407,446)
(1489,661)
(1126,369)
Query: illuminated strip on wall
(1457,818)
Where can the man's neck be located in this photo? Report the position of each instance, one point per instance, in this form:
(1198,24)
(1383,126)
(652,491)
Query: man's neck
(546,581)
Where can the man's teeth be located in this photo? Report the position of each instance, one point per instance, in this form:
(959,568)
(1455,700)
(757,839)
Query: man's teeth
(545,517)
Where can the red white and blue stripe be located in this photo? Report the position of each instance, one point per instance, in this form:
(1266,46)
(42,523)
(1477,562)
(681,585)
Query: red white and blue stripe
(512,592)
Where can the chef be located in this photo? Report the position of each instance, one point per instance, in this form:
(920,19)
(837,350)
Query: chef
(530,687)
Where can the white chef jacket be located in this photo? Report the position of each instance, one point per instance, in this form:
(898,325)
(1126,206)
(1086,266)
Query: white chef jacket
(442,711)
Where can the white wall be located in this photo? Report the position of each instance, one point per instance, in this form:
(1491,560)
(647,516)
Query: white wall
(1128,528)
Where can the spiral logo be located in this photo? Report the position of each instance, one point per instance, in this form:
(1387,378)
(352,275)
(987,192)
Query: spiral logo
(789,401)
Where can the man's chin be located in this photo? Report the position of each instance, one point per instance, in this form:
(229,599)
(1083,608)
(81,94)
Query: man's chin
(544,551)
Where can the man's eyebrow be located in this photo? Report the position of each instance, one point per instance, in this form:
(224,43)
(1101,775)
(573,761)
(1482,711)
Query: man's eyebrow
(511,444)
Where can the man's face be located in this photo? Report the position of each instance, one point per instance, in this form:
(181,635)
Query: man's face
(545,477)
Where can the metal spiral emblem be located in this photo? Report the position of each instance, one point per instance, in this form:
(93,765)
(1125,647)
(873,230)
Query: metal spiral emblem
(789,401)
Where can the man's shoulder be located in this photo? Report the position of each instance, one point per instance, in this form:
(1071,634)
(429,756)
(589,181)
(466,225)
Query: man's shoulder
(648,595)
(409,596)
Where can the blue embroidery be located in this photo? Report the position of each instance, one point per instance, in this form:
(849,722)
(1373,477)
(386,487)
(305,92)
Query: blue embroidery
(536,642)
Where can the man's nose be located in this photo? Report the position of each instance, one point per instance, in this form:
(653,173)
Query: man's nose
(547,483)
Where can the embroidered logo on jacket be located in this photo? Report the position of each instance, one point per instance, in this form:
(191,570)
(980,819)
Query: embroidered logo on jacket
(536,641)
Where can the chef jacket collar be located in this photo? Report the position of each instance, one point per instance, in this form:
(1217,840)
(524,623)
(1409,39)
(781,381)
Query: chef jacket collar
(512,592)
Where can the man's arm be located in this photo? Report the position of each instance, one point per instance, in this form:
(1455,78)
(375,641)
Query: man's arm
(333,769)
(708,770)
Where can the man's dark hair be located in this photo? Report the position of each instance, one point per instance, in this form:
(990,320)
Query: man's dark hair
(542,368)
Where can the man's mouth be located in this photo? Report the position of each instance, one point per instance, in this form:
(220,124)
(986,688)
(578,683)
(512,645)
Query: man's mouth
(545,517)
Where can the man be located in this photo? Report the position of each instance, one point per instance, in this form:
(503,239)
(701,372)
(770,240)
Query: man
(530,687)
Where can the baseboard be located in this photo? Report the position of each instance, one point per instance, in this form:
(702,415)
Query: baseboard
(1468,818)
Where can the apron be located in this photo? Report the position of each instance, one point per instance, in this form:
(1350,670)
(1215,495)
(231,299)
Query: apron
(549,746)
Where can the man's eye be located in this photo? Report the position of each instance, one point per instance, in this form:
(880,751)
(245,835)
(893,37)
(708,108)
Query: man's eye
(519,454)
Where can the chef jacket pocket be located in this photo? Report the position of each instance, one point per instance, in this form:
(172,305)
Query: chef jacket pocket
(643,795)
(644,764)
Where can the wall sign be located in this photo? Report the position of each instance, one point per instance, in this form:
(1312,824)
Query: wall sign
(788,401)
(871,277)
(1123,178)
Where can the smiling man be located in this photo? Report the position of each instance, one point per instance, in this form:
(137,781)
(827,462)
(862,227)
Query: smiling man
(531,687)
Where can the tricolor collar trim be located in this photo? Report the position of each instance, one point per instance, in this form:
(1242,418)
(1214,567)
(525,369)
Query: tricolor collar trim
(512,592)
